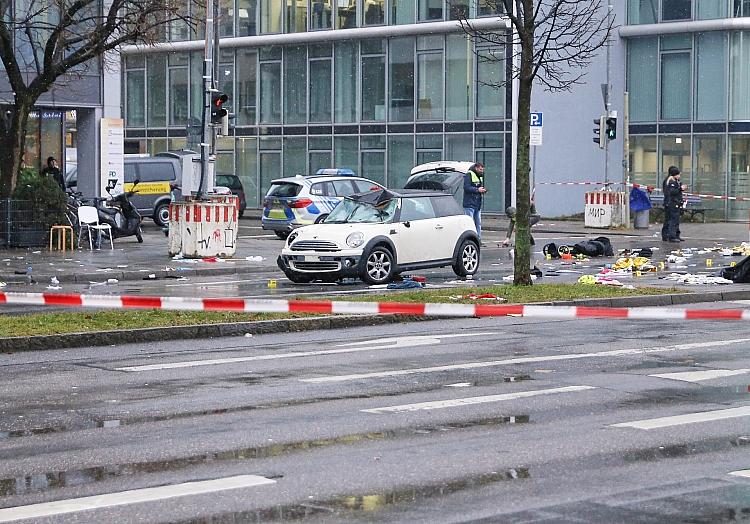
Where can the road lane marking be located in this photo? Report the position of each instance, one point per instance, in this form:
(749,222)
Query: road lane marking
(469,401)
(741,473)
(698,376)
(524,360)
(411,340)
(415,341)
(690,418)
(136,496)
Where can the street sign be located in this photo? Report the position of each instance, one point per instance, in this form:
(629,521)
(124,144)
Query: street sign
(535,119)
(535,129)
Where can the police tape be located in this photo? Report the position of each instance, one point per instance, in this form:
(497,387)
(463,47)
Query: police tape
(575,183)
(365,308)
(701,195)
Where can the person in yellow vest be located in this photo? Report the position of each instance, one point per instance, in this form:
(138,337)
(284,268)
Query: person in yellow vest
(474,191)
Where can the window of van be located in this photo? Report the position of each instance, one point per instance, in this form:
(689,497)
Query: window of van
(156,171)
(130,173)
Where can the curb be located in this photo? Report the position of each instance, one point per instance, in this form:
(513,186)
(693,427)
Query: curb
(161,334)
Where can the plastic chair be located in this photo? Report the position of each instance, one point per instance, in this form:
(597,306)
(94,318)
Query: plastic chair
(88,218)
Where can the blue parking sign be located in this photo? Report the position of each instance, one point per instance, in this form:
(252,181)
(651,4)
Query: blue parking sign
(535,119)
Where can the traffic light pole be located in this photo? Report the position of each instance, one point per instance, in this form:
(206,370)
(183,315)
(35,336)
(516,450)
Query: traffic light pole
(209,54)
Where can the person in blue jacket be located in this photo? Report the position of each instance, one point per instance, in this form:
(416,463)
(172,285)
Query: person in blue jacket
(474,191)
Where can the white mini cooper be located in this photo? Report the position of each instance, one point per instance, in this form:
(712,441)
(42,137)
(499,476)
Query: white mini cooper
(379,234)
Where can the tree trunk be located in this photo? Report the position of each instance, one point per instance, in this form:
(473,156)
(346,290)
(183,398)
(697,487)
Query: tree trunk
(12,146)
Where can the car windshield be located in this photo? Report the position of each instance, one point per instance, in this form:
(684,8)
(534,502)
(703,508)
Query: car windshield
(351,211)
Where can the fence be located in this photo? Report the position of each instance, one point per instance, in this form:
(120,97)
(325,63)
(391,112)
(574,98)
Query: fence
(21,225)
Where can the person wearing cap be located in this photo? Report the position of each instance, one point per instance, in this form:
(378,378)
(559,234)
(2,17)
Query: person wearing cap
(474,191)
(672,189)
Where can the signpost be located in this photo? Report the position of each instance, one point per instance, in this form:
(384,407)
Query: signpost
(535,139)
(112,143)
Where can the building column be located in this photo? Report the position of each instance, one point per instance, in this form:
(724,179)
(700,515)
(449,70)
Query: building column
(88,151)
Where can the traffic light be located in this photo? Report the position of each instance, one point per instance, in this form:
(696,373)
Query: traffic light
(611,127)
(218,113)
(600,136)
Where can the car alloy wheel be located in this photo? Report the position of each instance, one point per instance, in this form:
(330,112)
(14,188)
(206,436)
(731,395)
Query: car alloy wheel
(378,266)
(468,259)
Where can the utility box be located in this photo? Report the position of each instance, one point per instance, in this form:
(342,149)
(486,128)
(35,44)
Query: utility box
(604,209)
(205,228)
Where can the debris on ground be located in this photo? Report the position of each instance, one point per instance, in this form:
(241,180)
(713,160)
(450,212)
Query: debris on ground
(691,279)
(474,296)
(406,283)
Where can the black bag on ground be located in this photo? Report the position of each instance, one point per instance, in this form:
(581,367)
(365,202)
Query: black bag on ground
(551,250)
(739,274)
(608,251)
(590,248)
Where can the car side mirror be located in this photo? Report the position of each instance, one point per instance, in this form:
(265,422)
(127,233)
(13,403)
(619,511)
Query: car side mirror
(407,224)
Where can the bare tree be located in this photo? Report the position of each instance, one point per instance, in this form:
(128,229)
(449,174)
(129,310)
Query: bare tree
(551,44)
(43,42)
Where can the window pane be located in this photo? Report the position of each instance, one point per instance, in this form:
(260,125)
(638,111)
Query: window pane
(320,91)
(402,79)
(247,168)
(740,60)
(400,159)
(346,151)
(247,14)
(373,142)
(374,12)
(320,18)
(270,168)
(711,76)
(642,71)
(295,85)
(270,87)
(676,9)
(319,142)
(458,9)
(295,156)
(346,14)
(178,96)
(135,104)
(675,151)
(428,156)
(402,12)
(430,10)
(643,165)
(739,180)
(741,8)
(345,88)
(226,78)
(708,9)
(246,83)
(430,87)
(322,160)
(196,85)
(675,86)
(490,83)
(373,88)
(710,171)
(296,16)
(157,90)
(643,11)
(458,147)
(373,166)
(494,169)
(226,17)
(270,16)
(459,89)
(490,7)
(429,141)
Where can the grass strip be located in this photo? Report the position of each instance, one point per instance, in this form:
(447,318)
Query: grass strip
(37,324)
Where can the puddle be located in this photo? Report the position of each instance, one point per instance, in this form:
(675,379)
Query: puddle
(683,450)
(39,482)
(348,506)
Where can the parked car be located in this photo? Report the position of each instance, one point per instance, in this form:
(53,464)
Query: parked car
(155,175)
(445,175)
(234,184)
(308,199)
(379,234)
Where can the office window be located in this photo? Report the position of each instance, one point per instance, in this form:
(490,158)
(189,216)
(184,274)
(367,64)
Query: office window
(295,156)
(490,8)
(643,11)
(346,14)
(373,12)
(642,72)
(156,88)
(400,159)
(676,89)
(458,147)
(296,16)
(295,85)
(430,10)
(247,70)
(345,81)
(643,164)
(196,86)
(346,152)
(741,8)
(402,12)
(675,151)
(401,58)
(459,86)
(247,168)
(135,98)
(270,89)
(321,14)
(458,9)
(226,17)
(270,16)
(490,82)
(739,176)
(178,96)
(709,9)
(430,78)
(711,76)
(320,90)
(226,77)
(676,9)
(247,16)
(740,75)
(710,170)
(373,81)
(373,166)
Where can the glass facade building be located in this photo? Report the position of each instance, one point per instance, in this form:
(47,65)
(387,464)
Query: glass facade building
(377,101)
(688,78)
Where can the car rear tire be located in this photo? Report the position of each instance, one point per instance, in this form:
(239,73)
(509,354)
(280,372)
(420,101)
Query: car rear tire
(282,234)
(377,266)
(299,279)
(320,219)
(161,214)
(467,260)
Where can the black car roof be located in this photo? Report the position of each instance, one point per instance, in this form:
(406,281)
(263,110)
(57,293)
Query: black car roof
(414,193)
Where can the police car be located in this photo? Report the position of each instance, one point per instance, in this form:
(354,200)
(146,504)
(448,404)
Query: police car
(308,199)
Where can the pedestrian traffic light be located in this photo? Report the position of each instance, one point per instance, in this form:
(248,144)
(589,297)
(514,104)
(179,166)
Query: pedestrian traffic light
(611,127)
(218,113)
(600,136)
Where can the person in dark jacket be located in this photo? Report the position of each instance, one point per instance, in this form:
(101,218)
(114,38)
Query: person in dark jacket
(672,188)
(54,171)
(474,191)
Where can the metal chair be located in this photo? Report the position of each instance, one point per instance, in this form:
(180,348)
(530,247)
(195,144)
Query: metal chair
(88,218)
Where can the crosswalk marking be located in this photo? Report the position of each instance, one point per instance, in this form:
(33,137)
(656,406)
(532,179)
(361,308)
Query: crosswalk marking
(135,496)
(526,360)
(468,401)
(690,418)
(698,376)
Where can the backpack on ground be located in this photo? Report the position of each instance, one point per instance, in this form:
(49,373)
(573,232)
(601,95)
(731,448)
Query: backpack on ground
(551,249)
(739,274)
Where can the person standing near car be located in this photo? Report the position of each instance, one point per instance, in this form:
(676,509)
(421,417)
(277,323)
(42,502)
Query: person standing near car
(672,189)
(52,170)
(474,191)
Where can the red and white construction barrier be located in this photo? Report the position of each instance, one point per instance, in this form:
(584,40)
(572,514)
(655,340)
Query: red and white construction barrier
(365,308)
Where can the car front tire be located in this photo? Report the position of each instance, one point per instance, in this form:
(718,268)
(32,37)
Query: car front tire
(377,266)
(161,215)
(467,260)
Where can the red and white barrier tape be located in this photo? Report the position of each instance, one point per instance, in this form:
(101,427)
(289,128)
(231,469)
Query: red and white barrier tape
(365,308)
(701,195)
(575,183)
